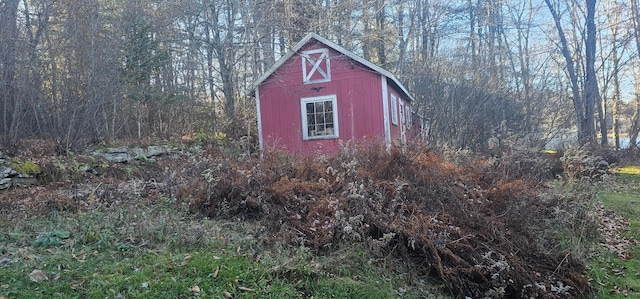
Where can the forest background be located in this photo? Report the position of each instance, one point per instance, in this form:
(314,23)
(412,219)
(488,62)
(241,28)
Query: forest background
(486,73)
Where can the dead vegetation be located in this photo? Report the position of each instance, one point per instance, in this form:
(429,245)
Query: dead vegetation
(480,228)
(483,236)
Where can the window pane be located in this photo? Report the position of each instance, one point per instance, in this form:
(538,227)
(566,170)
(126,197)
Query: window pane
(319,119)
(309,108)
(328,116)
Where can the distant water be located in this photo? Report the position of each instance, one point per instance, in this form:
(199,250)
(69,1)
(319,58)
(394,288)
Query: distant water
(556,143)
(624,142)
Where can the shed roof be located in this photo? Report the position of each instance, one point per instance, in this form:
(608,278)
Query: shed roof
(338,48)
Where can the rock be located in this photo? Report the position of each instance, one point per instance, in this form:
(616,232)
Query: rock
(116,150)
(85,168)
(150,152)
(38,276)
(154,151)
(116,155)
(5,183)
(122,154)
(17,174)
(23,181)
(6,172)
(139,153)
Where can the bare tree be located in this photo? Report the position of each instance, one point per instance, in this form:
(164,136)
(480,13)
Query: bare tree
(583,101)
(613,44)
(635,120)
(11,104)
(83,70)
(592,92)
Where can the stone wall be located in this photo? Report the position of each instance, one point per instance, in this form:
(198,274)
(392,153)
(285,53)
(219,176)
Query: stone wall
(16,174)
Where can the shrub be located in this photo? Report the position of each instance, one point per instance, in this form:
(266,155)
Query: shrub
(581,164)
(526,164)
(483,238)
(28,167)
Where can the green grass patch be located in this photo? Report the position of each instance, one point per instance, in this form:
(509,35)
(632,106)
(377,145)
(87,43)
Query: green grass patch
(28,167)
(549,151)
(613,276)
(628,170)
(141,274)
(155,250)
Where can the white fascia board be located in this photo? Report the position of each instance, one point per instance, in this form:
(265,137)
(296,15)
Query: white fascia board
(336,47)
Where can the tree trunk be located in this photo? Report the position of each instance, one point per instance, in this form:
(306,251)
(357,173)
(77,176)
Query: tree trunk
(8,38)
(380,34)
(210,78)
(592,93)
(616,113)
(472,37)
(616,99)
(578,101)
(635,122)
(226,72)
(366,34)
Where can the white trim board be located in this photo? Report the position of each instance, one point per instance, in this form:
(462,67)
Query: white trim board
(336,47)
(385,111)
(259,115)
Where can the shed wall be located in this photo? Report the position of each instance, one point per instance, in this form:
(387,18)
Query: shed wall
(358,91)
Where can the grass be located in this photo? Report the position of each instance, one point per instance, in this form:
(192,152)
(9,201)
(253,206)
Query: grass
(549,151)
(154,247)
(155,250)
(612,276)
(628,170)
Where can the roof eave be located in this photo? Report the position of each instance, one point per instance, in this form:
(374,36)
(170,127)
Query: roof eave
(336,47)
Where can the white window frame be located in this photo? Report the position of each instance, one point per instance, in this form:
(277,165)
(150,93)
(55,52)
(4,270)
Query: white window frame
(315,66)
(394,110)
(303,111)
(408,115)
(403,117)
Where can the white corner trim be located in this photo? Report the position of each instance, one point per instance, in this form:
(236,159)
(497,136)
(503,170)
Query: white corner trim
(385,111)
(260,139)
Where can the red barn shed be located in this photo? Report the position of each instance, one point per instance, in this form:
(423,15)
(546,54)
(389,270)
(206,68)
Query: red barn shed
(320,94)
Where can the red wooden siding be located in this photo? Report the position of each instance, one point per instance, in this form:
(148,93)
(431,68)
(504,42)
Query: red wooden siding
(396,129)
(359,100)
(359,105)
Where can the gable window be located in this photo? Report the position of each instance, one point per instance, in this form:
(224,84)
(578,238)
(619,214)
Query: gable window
(394,110)
(316,66)
(319,117)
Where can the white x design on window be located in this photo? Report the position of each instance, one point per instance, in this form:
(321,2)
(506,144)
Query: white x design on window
(316,66)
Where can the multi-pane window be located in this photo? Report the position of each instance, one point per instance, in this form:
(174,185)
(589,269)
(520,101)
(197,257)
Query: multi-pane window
(394,110)
(319,117)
